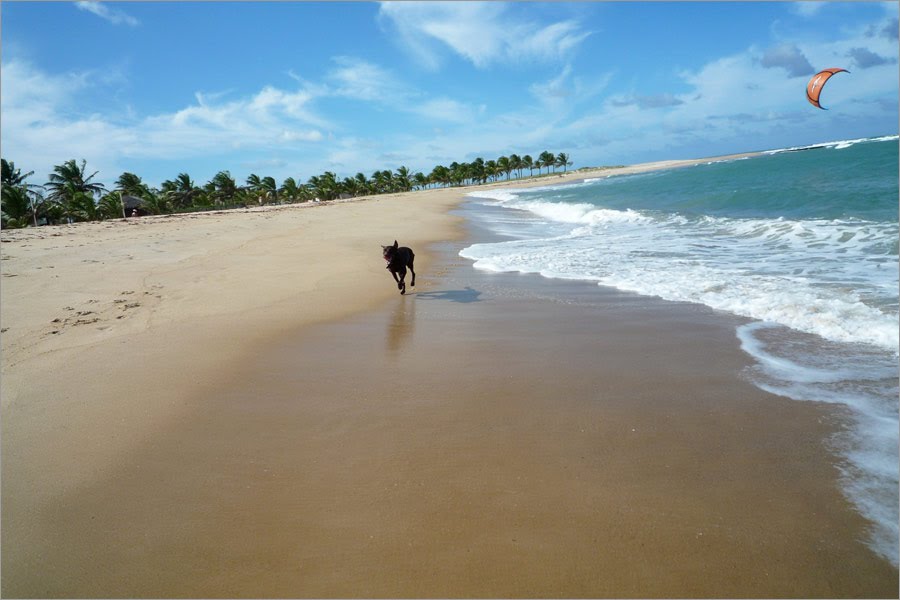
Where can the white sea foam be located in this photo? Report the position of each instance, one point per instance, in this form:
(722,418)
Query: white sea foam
(837,145)
(789,272)
(501,195)
(585,214)
(863,381)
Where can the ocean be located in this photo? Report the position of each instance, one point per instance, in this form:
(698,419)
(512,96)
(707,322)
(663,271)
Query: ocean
(802,242)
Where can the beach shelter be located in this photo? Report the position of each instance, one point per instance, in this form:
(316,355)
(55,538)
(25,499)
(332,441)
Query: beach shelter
(133,203)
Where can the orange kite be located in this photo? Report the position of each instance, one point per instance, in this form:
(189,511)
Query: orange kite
(815,85)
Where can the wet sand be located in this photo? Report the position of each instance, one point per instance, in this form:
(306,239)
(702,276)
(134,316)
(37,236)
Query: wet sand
(485,436)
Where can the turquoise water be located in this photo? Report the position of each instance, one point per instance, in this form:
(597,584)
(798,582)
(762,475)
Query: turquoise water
(802,242)
(856,182)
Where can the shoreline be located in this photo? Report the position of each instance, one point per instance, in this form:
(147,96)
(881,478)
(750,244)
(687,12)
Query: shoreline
(332,427)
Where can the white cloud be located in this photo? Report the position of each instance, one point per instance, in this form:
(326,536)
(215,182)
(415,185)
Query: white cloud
(41,129)
(483,33)
(807,9)
(37,96)
(446,109)
(271,117)
(554,89)
(545,43)
(116,17)
(310,135)
(648,101)
(567,90)
(362,80)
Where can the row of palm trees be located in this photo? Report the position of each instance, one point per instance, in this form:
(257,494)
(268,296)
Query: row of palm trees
(71,194)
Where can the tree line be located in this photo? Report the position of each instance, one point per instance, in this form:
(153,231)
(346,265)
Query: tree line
(72,195)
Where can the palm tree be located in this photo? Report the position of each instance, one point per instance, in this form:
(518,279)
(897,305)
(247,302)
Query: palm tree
(562,160)
(16,207)
(181,193)
(350,186)
(363,185)
(110,206)
(68,178)
(528,163)
(290,191)
(10,175)
(476,171)
(255,186)
(81,207)
(156,204)
(131,184)
(515,163)
(383,182)
(389,182)
(325,186)
(402,182)
(224,188)
(13,178)
(209,193)
(420,180)
(440,174)
(269,189)
(491,170)
(459,172)
(546,159)
(72,191)
(504,165)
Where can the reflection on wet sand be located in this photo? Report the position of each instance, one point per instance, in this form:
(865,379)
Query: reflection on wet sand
(463,296)
(401,324)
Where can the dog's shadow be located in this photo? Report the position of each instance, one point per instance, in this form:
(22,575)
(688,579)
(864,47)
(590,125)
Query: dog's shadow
(463,296)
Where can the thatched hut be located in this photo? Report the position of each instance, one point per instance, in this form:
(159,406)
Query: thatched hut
(134,206)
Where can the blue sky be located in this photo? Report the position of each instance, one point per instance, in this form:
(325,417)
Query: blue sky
(293,89)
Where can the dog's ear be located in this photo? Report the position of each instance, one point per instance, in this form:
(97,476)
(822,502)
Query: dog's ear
(395,243)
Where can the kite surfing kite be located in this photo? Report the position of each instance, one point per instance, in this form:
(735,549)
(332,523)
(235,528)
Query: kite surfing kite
(815,85)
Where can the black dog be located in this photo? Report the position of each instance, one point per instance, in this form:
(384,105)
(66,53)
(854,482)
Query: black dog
(398,259)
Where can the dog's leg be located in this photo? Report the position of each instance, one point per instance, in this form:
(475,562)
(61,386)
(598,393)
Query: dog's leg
(411,270)
(401,285)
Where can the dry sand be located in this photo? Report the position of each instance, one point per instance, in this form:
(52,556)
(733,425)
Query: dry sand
(240,404)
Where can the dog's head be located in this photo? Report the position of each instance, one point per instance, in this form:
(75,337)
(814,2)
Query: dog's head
(389,251)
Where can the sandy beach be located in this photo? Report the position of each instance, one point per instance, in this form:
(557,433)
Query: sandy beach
(241,404)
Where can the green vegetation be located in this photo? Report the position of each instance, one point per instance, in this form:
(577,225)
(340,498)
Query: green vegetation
(71,195)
